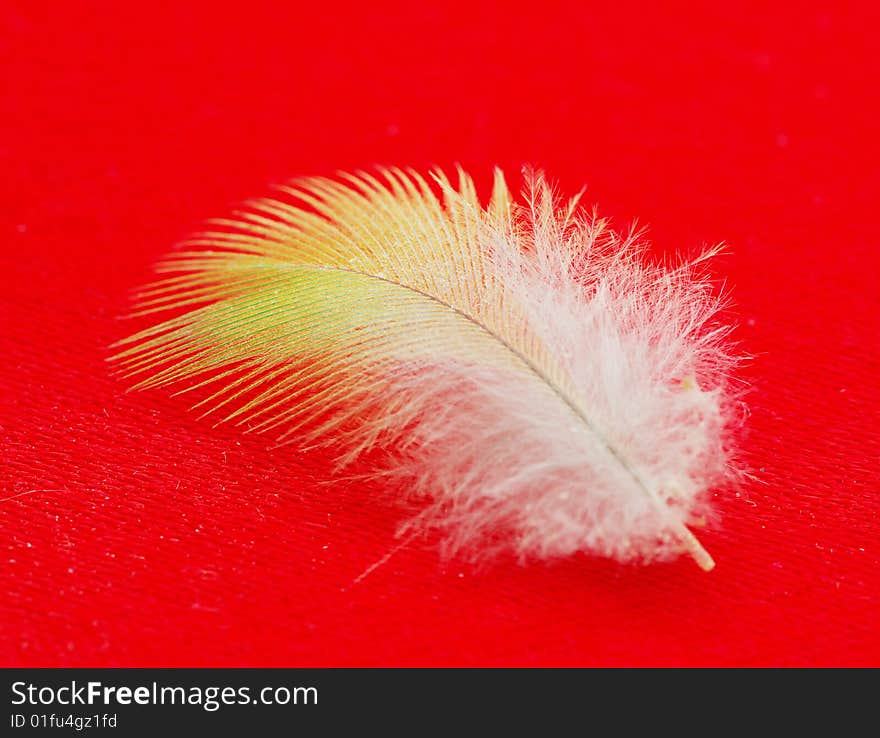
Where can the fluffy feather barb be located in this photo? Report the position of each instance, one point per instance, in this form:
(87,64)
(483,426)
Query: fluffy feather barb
(543,384)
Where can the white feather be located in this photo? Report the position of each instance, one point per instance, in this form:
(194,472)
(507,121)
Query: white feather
(509,463)
(547,387)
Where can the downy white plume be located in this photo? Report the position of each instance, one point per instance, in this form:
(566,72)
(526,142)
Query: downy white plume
(543,384)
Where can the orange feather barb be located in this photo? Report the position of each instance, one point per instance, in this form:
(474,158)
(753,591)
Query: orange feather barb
(543,384)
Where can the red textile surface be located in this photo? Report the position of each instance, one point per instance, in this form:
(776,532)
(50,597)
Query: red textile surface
(134,534)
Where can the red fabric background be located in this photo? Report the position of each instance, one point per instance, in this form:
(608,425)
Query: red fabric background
(133,534)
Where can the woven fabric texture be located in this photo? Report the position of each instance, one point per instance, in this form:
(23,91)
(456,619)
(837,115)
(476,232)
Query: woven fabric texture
(133,534)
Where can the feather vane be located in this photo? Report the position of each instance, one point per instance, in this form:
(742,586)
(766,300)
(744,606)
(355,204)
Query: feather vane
(546,387)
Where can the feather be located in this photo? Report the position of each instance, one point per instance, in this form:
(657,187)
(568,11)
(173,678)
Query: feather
(545,387)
